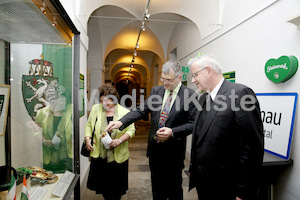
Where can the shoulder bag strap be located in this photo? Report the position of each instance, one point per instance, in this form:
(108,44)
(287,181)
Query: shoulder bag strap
(92,142)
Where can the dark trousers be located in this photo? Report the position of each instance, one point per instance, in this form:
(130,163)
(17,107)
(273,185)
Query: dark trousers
(166,174)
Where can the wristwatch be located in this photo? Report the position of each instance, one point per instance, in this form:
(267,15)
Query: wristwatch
(120,141)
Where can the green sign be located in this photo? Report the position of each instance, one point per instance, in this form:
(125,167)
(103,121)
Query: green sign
(81,95)
(230,76)
(185,71)
(282,69)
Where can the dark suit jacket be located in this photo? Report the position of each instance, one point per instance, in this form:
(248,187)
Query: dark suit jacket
(180,120)
(227,155)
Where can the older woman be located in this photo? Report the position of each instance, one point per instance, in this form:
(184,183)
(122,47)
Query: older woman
(109,167)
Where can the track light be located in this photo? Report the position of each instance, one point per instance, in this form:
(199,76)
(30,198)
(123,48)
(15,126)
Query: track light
(147,15)
(143,28)
(54,22)
(43,8)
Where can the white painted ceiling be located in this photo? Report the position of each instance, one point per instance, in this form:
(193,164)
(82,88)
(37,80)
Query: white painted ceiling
(110,20)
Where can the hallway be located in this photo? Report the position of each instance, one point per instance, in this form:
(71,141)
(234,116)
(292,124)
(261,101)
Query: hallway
(139,172)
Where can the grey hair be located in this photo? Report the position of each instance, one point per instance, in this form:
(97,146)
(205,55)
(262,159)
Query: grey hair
(172,64)
(206,60)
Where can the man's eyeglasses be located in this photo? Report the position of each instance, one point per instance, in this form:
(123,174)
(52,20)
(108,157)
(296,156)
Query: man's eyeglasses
(194,75)
(167,80)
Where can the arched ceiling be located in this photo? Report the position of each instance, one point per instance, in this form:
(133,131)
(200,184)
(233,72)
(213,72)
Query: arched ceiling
(120,60)
(122,74)
(118,23)
(126,39)
(206,14)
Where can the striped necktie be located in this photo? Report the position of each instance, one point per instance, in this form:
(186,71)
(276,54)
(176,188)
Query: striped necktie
(164,114)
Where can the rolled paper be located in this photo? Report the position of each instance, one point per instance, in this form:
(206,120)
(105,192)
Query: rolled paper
(105,139)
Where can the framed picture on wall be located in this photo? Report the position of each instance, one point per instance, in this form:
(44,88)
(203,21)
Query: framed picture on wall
(4,102)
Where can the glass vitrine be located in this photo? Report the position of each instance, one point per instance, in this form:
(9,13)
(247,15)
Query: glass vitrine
(36,87)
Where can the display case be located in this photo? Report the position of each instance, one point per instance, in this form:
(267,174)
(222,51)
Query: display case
(39,75)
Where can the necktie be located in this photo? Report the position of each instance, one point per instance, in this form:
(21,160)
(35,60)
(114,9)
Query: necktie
(205,109)
(164,114)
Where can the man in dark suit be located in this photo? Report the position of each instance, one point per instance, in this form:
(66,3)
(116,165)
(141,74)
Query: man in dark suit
(171,121)
(228,142)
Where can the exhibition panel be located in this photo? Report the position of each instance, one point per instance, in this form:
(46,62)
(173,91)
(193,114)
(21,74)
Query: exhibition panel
(36,94)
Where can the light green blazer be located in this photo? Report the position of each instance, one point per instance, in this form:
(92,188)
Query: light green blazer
(121,152)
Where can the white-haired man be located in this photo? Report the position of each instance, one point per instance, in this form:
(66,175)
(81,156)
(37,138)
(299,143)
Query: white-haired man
(228,142)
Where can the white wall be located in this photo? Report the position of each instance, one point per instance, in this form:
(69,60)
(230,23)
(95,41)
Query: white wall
(186,38)
(245,45)
(95,54)
(84,162)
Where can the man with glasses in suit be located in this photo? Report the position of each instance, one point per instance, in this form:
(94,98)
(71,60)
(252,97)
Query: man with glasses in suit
(171,122)
(228,140)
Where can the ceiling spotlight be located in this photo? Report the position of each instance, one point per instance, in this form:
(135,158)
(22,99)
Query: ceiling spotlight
(147,15)
(129,74)
(54,22)
(143,26)
(131,66)
(132,59)
(137,46)
(43,8)
(135,53)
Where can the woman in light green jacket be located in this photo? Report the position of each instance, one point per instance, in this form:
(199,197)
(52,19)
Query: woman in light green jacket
(109,167)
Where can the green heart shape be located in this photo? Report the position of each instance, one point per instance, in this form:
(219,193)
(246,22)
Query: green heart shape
(282,69)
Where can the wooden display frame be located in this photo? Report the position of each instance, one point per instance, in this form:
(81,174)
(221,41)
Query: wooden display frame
(4,102)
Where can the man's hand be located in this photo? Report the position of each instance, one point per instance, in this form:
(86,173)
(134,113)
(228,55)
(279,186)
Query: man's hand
(164,133)
(113,125)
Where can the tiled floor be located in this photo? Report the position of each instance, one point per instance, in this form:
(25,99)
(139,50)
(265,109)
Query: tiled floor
(139,172)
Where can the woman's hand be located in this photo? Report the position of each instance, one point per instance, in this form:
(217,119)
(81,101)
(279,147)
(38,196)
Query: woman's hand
(48,143)
(114,143)
(88,144)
